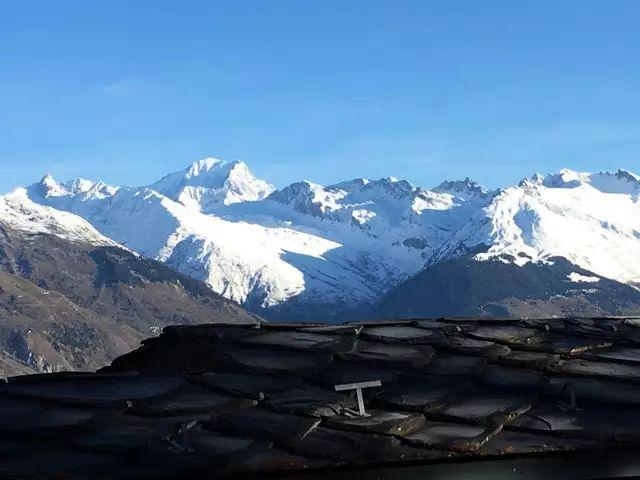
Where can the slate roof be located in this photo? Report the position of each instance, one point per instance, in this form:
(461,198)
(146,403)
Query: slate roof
(239,400)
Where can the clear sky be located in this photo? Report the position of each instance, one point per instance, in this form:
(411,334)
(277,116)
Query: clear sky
(127,91)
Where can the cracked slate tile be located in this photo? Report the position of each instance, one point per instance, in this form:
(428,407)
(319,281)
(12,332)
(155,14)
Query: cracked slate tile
(191,399)
(400,334)
(586,368)
(303,340)
(453,436)
(262,359)
(394,356)
(512,443)
(309,400)
(488,408)
(378,421)
(422,393)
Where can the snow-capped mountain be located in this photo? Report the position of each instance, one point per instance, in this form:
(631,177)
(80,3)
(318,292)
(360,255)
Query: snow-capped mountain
(209,183)
(592,220)
(313,251)
(72,298)
(18,212)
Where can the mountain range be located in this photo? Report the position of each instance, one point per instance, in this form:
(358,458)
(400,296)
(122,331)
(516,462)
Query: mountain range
(375,248)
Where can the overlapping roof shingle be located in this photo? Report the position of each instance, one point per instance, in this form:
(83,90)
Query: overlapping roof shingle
(239,400)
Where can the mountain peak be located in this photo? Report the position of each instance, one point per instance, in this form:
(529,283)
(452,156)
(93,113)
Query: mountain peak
(49,187)
(48,180)
(535,179)
(622,181)
(207,166)
(89,189)
(566,178)
(464,188)
(80,185)
(210,182)
(627,175)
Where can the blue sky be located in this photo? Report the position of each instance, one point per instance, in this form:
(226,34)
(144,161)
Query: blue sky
(128,91)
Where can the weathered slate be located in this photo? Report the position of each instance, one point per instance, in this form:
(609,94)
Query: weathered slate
(121,434)
(617,424)
(422,394)
(447,327)
(94,391)
(191,399)
(511,443)
(603,328)
(573,345)
(341,445)
(455,365)
(453,436)
(486,408)
(44,420)
(218,445)
(13,409)
(237,400)
(176,355)
(303,340)
(55,460)
(400,334)
(341,372)
(394,356)
(510,334)
(309,400)
(379,421)
(261,423)
(218,332)
(513,378)
(262,359)
(527,338)
(615,354)
(471,346)
(594,390)
(586,368)
(302,436)
(331,329)
(263,459)
(250,385)
(529,359)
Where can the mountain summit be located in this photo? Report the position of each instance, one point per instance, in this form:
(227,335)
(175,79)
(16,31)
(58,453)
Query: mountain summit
(464,188)
(210,182)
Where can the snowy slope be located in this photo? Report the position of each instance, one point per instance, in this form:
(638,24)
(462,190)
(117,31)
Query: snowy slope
(18,212)
(344,246)
(593,220)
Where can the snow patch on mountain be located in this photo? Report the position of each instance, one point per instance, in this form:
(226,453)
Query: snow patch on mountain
(18,212)
(576,277)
